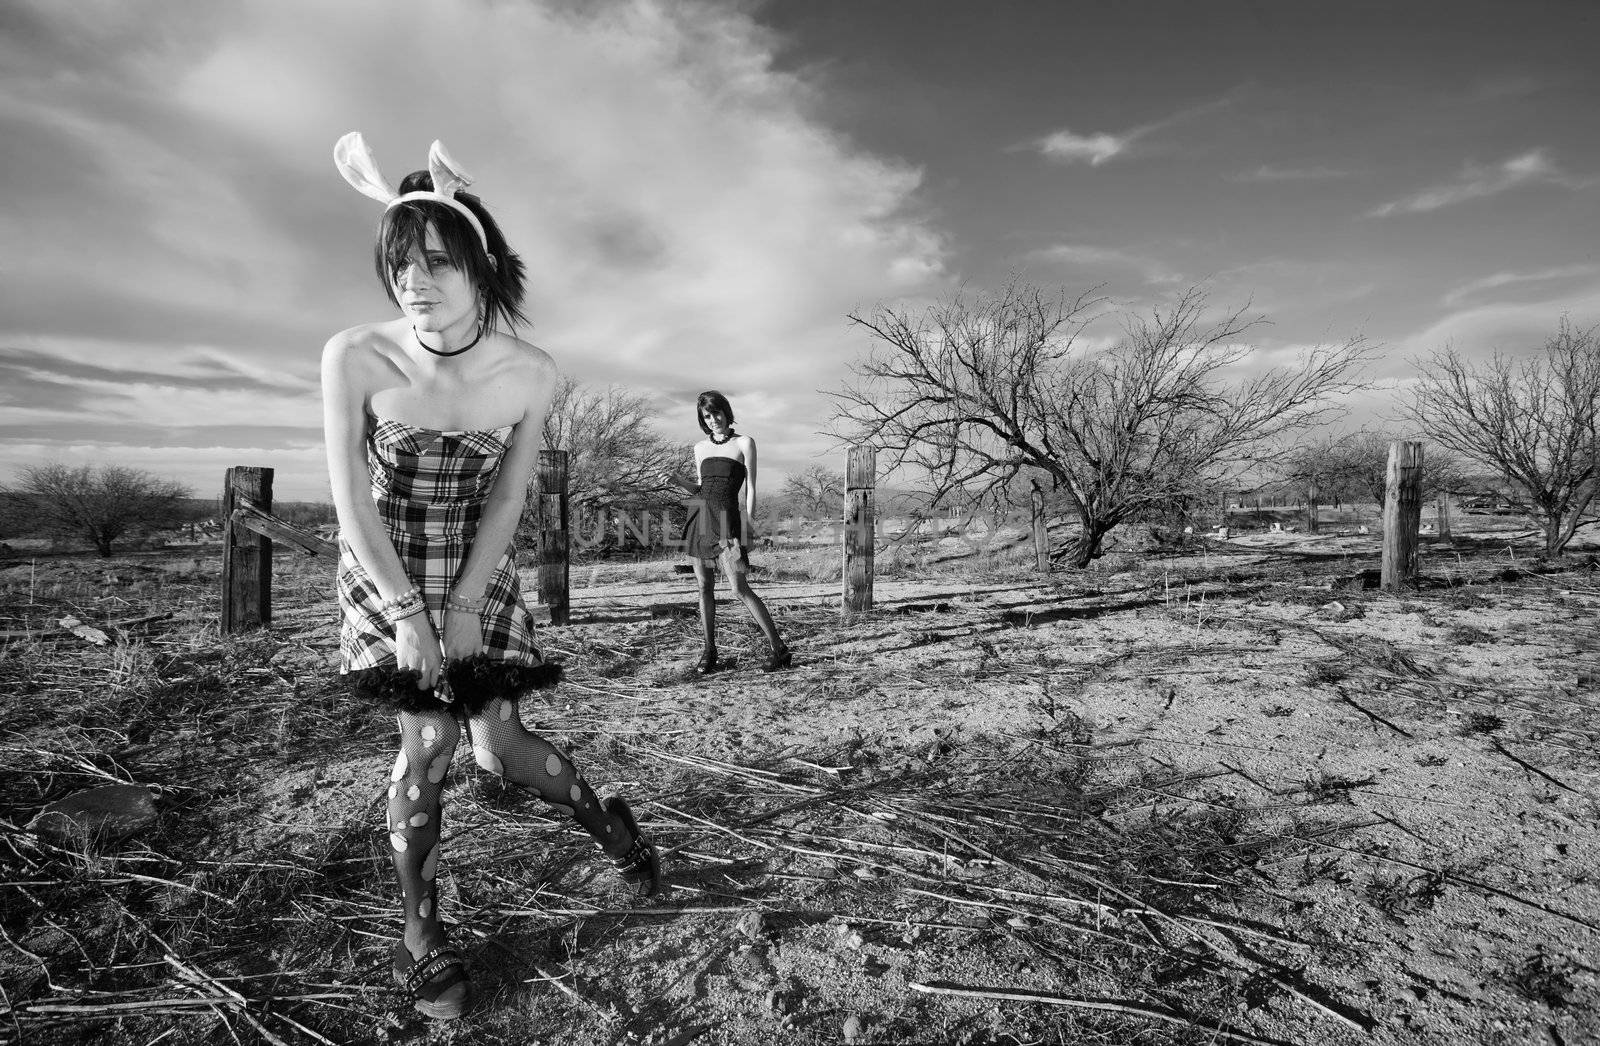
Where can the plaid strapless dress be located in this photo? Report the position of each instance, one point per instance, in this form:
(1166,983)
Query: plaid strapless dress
(430,488)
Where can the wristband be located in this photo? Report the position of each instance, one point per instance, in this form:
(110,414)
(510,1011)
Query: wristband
(465,606)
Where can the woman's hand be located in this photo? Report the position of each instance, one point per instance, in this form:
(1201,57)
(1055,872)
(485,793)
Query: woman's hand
(463,634)
(687,482)
(416,647)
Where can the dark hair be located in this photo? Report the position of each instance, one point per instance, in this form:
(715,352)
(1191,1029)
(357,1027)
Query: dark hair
(404,229)
(712,400)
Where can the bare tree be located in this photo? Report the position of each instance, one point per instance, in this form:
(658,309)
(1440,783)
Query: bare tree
(99,504)
(817,492)
(1354,466)
(613,453)
(1533,421)
(976,392)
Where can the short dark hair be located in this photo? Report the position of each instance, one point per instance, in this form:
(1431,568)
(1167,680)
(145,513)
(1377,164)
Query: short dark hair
(711,399)
(404,229)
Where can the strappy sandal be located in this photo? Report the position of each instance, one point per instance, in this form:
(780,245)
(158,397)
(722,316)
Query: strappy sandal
(708,662)
(427,979)
(640,865)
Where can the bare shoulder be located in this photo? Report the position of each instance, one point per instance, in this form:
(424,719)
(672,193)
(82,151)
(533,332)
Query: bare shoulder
(529,361)
(745,443)
(356,350)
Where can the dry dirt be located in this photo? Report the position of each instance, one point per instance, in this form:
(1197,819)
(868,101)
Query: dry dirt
(1209,794)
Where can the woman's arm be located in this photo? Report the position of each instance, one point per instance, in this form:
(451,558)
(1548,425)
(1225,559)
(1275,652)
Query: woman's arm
(749,477)
(345,359)
(502,511)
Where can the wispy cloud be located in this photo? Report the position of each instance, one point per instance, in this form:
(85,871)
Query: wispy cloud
(1508,279)
(1271,173)
(1477,181)
(1068,146)
(1091,257)
(1095,149)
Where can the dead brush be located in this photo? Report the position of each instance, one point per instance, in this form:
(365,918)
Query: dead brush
(1401,895)
(1325,673)
(1475,724)
(1468,635)
(1331,788)
(1544,981)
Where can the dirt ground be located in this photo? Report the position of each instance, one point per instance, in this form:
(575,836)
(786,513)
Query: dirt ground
(1221,792)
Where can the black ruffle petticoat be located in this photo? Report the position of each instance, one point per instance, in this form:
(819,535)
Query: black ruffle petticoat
(473,683)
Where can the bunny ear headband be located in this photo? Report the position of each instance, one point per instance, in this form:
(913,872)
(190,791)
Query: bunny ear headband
(354,160)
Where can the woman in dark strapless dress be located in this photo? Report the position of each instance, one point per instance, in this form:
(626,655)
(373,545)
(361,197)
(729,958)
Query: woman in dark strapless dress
(717,529)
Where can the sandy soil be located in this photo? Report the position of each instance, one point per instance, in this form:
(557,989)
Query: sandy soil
(1315,813)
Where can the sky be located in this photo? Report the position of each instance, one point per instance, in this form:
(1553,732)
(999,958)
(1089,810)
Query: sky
(704,192)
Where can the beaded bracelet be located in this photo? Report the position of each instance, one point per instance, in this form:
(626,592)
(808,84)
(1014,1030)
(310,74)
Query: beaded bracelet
(399,614)
(403,606)
(402,599)
(466,606)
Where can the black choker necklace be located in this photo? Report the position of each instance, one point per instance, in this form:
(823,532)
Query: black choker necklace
(453,352)
(713,435)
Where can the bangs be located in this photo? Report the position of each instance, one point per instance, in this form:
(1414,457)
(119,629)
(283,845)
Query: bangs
(405,230)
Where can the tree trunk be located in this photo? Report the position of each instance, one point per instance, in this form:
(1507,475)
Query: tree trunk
(1087,548)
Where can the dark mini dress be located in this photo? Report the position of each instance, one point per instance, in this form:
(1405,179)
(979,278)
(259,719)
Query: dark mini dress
(430,488)
(714,527)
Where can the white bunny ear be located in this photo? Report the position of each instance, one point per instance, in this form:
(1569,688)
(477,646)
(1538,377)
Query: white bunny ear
(355,162)
(448,177)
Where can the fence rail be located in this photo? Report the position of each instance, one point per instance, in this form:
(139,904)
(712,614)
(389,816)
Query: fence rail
(250,532)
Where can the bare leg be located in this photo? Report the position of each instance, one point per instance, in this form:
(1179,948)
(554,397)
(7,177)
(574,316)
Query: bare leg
(416,786)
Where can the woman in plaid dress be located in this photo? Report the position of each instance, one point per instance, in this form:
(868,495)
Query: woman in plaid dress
(433,425)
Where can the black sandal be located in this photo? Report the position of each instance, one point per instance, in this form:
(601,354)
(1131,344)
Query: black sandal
(426,979)
(708,662)
(640,865)
(782,657)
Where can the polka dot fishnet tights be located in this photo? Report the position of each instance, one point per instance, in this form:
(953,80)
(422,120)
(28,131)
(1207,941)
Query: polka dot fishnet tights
(500,744)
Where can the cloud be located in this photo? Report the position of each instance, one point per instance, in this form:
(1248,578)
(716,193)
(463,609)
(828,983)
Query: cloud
(1507,279)
(685,218)
(1270,173)
(1477,181)
(1068,147)
(1091,257)
(1512,328)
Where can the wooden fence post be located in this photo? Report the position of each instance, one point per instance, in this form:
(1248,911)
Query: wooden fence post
(1441,512)
(554,538)
(860,476)
(1041,533)
(1402,514)
(246,556)
(1313,507)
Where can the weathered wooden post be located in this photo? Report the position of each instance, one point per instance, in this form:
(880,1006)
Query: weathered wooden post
(1402,514)
(1041,534)
(1313,507)
(554,538)
(860,476)
(246,555)
(1441,512)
